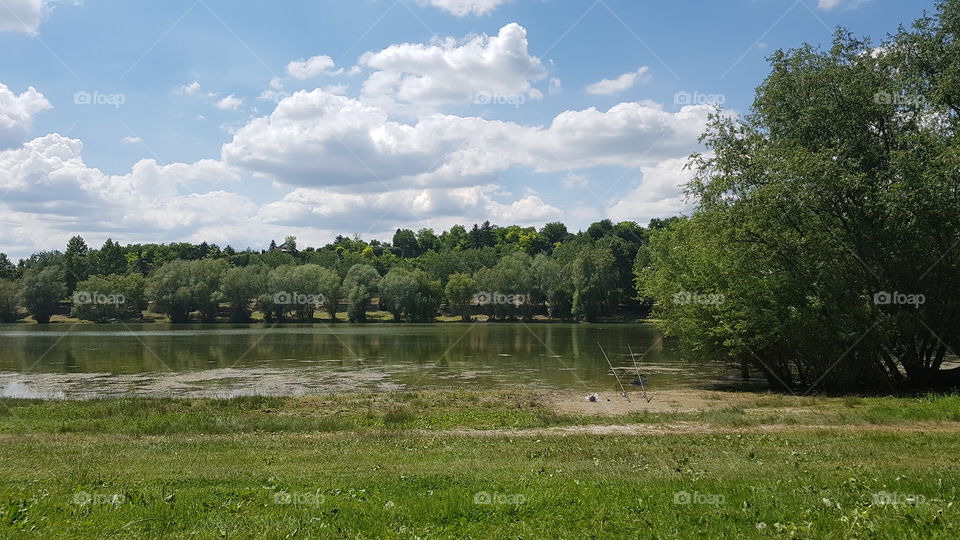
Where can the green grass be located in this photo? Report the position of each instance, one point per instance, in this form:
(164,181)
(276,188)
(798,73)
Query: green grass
(368,466)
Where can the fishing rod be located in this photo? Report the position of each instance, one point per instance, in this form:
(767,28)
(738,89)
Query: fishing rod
(623,391)
(639,377)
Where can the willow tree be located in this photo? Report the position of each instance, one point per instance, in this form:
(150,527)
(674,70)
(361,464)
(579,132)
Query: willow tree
(824,248)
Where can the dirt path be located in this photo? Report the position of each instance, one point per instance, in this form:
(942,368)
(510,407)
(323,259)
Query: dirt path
(696,428)
(613,404)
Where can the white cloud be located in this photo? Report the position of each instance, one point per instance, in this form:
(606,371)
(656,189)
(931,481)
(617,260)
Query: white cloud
(21,15)
(189,89)
(659,194)
(462,8)
(452,71)
(131,140)
(357,211)
(623,82)
(319,139)
(52,194)
(309,68)
(828,5)
(230,103)
(16,114)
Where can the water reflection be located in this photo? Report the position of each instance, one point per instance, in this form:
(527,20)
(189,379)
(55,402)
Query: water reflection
(155,359)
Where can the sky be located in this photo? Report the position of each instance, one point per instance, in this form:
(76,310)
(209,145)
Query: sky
(238,123)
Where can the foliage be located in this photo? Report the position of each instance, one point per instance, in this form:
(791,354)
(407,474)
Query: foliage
(459,293)
(239,286)
(593,276)
(102,298)
(9,301)
(42,292)
(822,252)
(410,295)
(530,268)
(359,285)
(181,287)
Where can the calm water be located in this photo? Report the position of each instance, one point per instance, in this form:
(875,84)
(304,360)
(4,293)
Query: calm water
(82,361)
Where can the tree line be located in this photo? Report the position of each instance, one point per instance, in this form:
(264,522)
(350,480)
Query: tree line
(506,273)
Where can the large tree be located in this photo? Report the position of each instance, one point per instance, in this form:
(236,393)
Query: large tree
(824,248)
(360,284)
(241,285)
(42,292)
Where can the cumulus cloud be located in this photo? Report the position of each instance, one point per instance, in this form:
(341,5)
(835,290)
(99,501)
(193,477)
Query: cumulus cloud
(229,103)
(455,71)
(320,139)
(21,15)
(189,89)
(47,183)
(462,8)
(131,140)
(381,211)
(623,82)
(16,114)
(659,194)
(309,68)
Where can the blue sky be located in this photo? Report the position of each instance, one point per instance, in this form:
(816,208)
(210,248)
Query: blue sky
(241,122)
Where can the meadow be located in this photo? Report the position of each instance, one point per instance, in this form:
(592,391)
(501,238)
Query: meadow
(466,464)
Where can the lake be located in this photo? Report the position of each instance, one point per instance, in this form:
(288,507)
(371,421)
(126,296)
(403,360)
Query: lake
(84,361)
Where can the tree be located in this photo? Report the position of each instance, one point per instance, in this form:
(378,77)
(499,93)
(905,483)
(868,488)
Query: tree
(102,298)
(241,285)
(7,268)
(9,301)
(410,295)
(821,247)
(405,242)
(307,296)
(459,291)
(181,287)
(427,240)
(592,274)
(360,284)
(330,286)
(600,229)
(398,290)
(110,259)
(554,232)
(42,292)
(455,239)
(76,262)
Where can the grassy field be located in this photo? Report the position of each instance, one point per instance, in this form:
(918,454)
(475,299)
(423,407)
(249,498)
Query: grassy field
(479,464)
